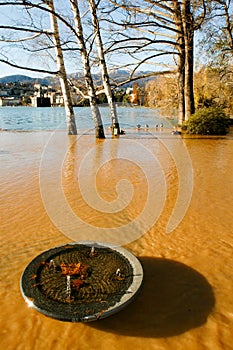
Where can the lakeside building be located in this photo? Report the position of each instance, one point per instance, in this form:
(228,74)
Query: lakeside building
(9,101)
(38,95)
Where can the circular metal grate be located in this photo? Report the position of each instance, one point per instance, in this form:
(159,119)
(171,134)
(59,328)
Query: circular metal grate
(81,281)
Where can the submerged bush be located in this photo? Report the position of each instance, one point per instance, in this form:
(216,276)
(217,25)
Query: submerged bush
(207,121)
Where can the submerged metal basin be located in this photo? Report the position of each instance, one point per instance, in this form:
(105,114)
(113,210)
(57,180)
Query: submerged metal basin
(81,282)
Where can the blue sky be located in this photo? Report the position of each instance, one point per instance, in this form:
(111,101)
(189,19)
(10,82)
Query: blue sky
(8,15)
(15,15)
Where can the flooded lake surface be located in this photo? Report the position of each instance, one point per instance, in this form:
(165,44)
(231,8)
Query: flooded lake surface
(57,189)
(53,118)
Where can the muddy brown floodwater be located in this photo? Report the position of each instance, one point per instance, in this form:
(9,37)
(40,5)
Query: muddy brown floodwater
(186,299)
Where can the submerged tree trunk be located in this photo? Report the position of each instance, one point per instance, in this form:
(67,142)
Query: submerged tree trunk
(99,130)
(104,70)
(188,28)
(70,117)
(181,61)
(181,81)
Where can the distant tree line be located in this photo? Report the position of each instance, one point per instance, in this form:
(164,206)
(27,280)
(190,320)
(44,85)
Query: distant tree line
(212,88)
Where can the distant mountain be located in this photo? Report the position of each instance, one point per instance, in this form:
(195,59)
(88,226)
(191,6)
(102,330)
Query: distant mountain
(117,75)
(25,79)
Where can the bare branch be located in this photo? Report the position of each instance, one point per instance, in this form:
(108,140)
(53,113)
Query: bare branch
(28,68)
(22,39)
(23,29)
(146,75)
(149,58)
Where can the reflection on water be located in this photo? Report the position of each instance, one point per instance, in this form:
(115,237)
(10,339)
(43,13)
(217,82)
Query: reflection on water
(186,299)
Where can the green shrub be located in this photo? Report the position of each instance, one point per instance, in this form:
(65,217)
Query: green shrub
(207,121)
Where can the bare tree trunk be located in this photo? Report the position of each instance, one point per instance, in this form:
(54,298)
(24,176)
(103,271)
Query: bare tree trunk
(181,97)
(70,117)
(181,61)
(104,70)
(87,72)
(188,28)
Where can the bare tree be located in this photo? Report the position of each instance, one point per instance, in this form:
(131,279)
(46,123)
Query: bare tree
(70,117)
(167,28)
(188,35)
(35,33)
(87,71)
(103,65)
(77,35)
(155,38)
(217,34)
(181,61)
